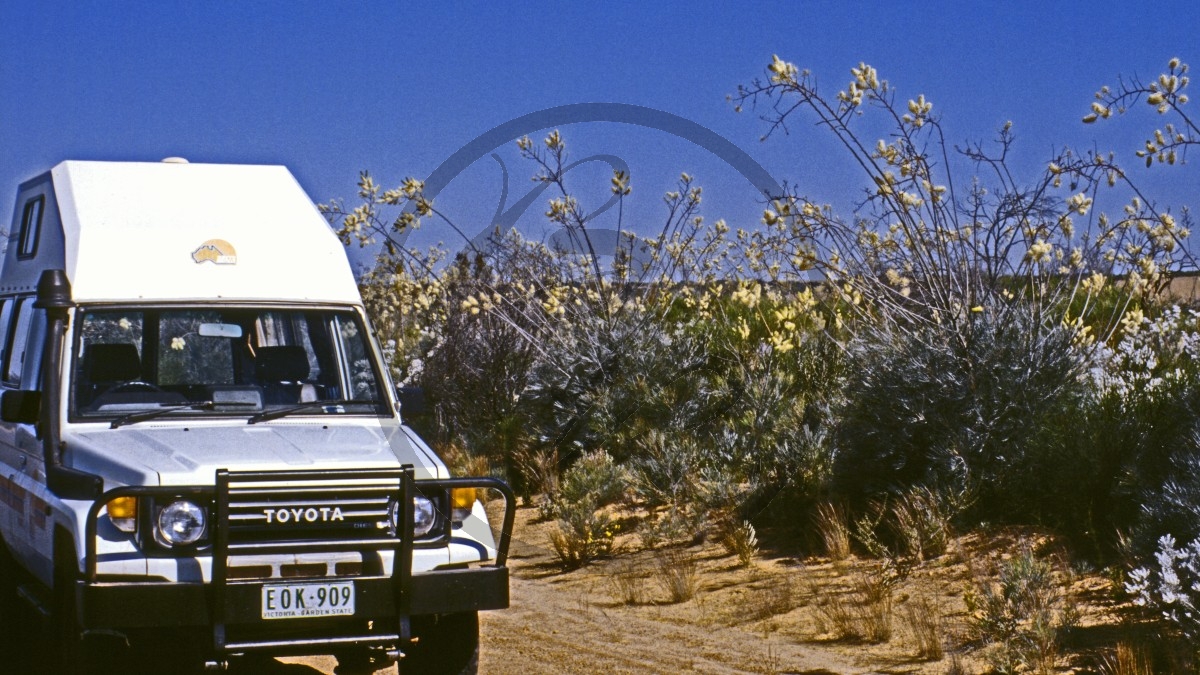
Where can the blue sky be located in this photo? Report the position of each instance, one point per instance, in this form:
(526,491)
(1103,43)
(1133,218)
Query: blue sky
(331,88)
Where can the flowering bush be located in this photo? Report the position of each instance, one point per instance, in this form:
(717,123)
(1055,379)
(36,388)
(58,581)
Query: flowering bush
(974,301)
(961,334)
(929,247)
(1132,446)
(1153,355)
(1171,586)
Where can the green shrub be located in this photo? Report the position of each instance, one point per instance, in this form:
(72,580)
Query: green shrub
(957,413)
(585,531)
(1021,615)
(740,539)
(583,534)
(607,379)
(666,469)
(673,527)
(1129,457)
(914,526)
(594,479)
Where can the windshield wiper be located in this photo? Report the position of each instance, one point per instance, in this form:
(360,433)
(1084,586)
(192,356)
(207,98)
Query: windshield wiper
(268,415)
(143,415)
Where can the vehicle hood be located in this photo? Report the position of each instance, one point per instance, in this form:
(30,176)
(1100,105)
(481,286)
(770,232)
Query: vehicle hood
(190,455)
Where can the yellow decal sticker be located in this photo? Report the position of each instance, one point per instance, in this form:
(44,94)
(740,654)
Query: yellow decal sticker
(216,251)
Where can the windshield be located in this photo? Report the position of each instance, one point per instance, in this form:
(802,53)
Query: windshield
(239,361)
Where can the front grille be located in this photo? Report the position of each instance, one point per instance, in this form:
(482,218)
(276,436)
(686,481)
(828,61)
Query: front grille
(270,511)
(297,511)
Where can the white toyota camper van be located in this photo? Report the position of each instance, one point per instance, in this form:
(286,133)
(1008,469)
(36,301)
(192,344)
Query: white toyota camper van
(201,455)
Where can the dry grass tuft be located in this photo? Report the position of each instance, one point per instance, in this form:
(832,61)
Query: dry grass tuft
(1126,659)
(924,617)
(628,583)
(772,663)
(834,530)
(677,573)
(537,468)
(741,540)
(862,614)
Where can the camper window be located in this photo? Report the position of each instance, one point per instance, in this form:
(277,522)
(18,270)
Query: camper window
(31,226)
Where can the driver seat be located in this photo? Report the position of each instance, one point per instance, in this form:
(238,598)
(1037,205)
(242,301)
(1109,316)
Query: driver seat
(106,365)
(282,371)
(109,364)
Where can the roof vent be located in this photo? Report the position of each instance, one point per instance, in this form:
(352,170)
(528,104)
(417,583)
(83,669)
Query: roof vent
(175,160)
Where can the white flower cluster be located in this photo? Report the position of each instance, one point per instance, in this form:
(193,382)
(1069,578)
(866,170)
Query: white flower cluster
(415,368)
(1171,586)
(1150,355)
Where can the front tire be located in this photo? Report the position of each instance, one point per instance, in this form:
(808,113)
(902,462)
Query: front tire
(16,637)
(66,637)
(447,644)
(70,653)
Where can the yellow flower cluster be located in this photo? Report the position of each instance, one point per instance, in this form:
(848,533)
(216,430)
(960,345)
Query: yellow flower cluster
(918,111)
(620,183)
(748,294)
(1094,283)
(865,79)
(1083,336)
(782,72)
(1039,251)
(1099,111)
(481,303)
(1079,203)
(1132,321)
(562,210)
(1162,146)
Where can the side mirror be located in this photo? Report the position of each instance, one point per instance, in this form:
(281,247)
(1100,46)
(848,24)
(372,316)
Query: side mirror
(412,400)
(21,407)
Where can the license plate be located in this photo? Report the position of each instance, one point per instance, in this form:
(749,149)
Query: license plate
(291,601)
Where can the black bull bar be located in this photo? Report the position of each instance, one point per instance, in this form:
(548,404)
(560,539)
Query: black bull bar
(231,607)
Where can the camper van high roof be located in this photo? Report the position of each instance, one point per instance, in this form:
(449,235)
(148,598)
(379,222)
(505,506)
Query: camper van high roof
(170,231)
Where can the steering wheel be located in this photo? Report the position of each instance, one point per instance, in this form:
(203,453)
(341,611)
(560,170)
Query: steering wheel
(133,386)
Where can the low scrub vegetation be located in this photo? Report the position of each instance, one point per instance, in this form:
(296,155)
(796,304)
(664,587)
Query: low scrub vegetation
(862,613)
(1020,614)
(969,349)
(676,572)
(924,617)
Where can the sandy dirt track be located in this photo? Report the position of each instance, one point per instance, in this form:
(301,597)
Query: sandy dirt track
(768,617)
(572,623)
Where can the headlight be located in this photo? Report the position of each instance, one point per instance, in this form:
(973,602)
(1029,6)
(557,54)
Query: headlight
(424,516)
(181,523)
